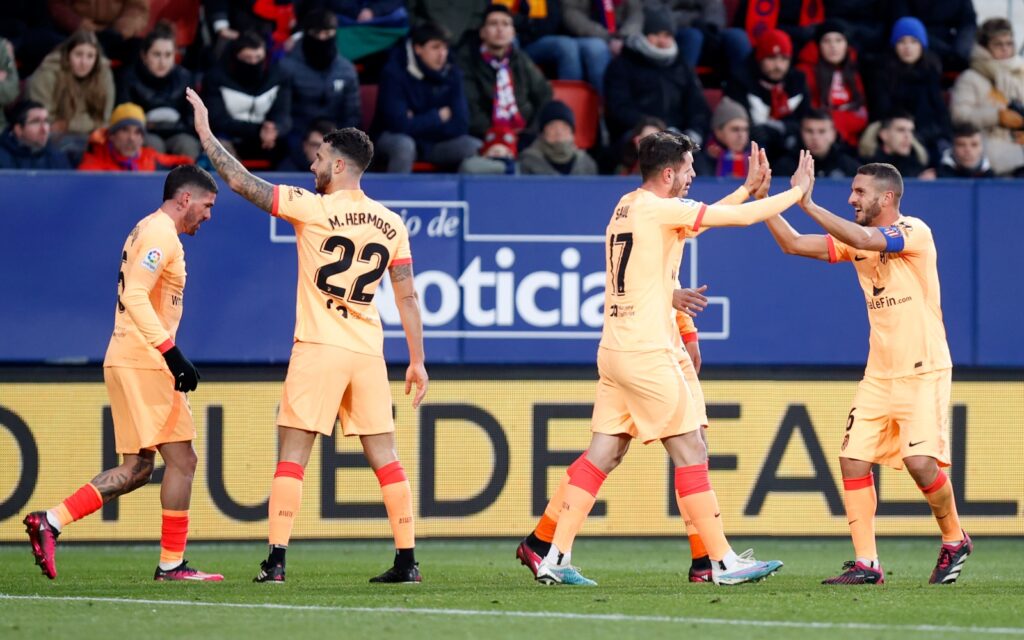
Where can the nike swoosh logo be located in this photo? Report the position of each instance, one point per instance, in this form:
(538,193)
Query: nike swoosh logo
(718,514)
(877,290)
(851,522)
(914,444)
(859,258)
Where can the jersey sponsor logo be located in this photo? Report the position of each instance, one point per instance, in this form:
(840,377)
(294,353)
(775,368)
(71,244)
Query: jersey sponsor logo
(152,259)
(885,302)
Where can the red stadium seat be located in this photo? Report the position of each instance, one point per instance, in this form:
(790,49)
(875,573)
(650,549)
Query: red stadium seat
(586,106)
(368,102)
(713,97)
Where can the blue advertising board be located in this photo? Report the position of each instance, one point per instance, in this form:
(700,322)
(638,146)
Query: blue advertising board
(508,271)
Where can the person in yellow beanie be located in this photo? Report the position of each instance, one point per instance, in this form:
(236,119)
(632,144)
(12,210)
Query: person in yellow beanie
(120,147)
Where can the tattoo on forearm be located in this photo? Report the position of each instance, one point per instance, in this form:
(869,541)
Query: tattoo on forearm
(255,190)
(400,272)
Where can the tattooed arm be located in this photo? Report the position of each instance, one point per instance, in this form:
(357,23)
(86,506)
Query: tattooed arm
(409,311)
(256,190)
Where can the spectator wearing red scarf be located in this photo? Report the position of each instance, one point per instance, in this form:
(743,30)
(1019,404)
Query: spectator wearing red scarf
(834,82)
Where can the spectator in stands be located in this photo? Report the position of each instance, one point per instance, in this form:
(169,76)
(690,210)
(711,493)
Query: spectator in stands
(271,19)
(866,25)
(554,152)
(504,89)
(650,78)
(76,86)
(908,81)
(601,28)
(9,88)
(27,24)
(832,157)
(951,25)
(990,95)
(773,93)
(727,152)
(157,84)
(121,147)
(461,18)
(497,155)
(834,82)
(25,143)
(249,102)
(966,158)
(300,158)
(323,83)
(537,30)
(896,145)
(629,163)
(700,30)
(422,110)
(797,18)
(118,24)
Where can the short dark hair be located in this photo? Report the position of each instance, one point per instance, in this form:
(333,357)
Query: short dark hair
(428,31)
(965,130)
(248,40)
(186,175)
(896,115)
(817,114)
(992,28)
(163,30)
(320,20)
(663,149)
(353,145)
(19,113)
(495,8)
(886,176)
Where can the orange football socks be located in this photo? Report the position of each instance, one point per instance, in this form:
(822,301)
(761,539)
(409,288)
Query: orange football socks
(861,502)
(394,487)
(939,495)
(585,481)
(173,534)
(698,500)
(76,506)
(285,498)
(545,530)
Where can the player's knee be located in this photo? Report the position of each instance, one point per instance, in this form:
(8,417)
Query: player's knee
(141,476)
(921,468)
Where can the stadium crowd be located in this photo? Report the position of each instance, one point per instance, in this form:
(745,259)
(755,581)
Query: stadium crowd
(553,87)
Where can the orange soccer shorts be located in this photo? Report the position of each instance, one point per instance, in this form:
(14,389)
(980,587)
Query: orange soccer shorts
(146,409)
(326,383)
(892,419)
(642,394)
(696,392)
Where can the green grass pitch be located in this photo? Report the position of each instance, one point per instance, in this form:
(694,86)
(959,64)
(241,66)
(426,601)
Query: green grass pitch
(475,589)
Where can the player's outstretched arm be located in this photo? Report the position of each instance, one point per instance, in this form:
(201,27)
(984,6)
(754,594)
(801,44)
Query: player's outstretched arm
(796,244)
(408,304)
(757,169)
(256,190)
(846,231)
(753,212)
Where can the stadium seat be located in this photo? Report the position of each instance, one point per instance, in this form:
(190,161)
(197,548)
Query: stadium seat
(586,106)
(713,97)
(368,103)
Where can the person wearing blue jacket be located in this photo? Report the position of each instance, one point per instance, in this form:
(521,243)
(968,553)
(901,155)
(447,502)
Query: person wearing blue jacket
(421,107)
(323,83)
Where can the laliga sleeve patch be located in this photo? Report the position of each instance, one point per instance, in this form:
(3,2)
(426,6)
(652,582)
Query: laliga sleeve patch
(894,240)
(152,259)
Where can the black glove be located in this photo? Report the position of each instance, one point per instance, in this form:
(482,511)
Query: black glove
(186,376)
(1016,106)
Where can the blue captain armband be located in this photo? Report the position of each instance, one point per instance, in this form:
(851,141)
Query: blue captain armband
(894,239)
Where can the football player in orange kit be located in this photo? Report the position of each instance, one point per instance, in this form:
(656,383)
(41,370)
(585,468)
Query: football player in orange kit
(345,243)
(900,415)
(642,392)
(147,377)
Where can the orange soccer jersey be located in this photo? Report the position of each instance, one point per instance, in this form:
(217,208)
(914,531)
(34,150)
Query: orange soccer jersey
(151,286)
(901,288)
(345,241)
(643,246)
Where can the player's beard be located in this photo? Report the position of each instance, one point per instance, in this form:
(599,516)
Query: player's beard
(869,213)
(193,217)
(322,179)
(678,189)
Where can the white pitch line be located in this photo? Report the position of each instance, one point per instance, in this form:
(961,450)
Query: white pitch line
(555,615)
